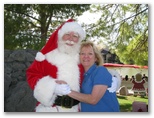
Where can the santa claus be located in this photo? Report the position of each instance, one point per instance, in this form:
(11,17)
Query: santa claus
(58,60)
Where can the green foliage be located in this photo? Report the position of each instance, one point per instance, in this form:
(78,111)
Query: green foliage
(119,25)
(136,52)
(123,27)
(30,25)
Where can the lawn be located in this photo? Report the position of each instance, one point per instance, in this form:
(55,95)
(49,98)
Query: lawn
(126,102)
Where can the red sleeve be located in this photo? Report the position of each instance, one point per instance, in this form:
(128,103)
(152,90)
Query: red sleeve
(38,70)
(81,69)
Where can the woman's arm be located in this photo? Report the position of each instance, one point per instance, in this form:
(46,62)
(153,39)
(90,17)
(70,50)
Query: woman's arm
(93,98)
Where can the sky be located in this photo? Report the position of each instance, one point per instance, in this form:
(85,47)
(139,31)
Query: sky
(92,17)
(87,19)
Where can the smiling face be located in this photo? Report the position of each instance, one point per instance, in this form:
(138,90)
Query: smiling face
(69,43)
(70,38)
(87,57)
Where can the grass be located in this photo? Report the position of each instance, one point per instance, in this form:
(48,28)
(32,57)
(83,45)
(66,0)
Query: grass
(126,102)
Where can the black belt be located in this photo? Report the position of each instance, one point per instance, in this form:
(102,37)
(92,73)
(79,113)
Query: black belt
(65,101)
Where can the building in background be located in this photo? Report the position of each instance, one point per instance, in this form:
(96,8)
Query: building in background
(109,57)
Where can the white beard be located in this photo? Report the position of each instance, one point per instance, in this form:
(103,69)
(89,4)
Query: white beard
(71,50)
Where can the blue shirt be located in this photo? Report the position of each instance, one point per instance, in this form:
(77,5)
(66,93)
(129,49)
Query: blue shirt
(99,75)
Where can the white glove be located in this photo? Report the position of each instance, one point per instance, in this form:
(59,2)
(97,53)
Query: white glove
(116,81)
(114,85)
(62,89)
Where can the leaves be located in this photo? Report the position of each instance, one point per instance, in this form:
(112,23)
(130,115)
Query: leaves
(121,26)
(30,25)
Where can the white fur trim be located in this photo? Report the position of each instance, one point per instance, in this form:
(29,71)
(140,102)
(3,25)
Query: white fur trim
(42,108)
(73,109)
(72,26)
(44,91)
(67,65)
(40,57)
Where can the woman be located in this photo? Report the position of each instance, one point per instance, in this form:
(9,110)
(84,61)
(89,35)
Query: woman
(94,96)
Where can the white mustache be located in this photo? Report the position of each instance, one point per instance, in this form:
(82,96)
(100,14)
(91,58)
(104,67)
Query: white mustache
(70,42)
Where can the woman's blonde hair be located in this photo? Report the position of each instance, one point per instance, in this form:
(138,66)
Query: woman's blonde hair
(99,58)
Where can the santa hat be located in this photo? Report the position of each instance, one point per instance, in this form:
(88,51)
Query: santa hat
(52,43)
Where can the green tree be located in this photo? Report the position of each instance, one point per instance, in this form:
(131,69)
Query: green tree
(30,25)
(125,29)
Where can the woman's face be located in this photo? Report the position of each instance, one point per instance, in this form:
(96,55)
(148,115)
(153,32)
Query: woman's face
(87,57)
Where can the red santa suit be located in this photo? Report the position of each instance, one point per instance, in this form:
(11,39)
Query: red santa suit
(53,63)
